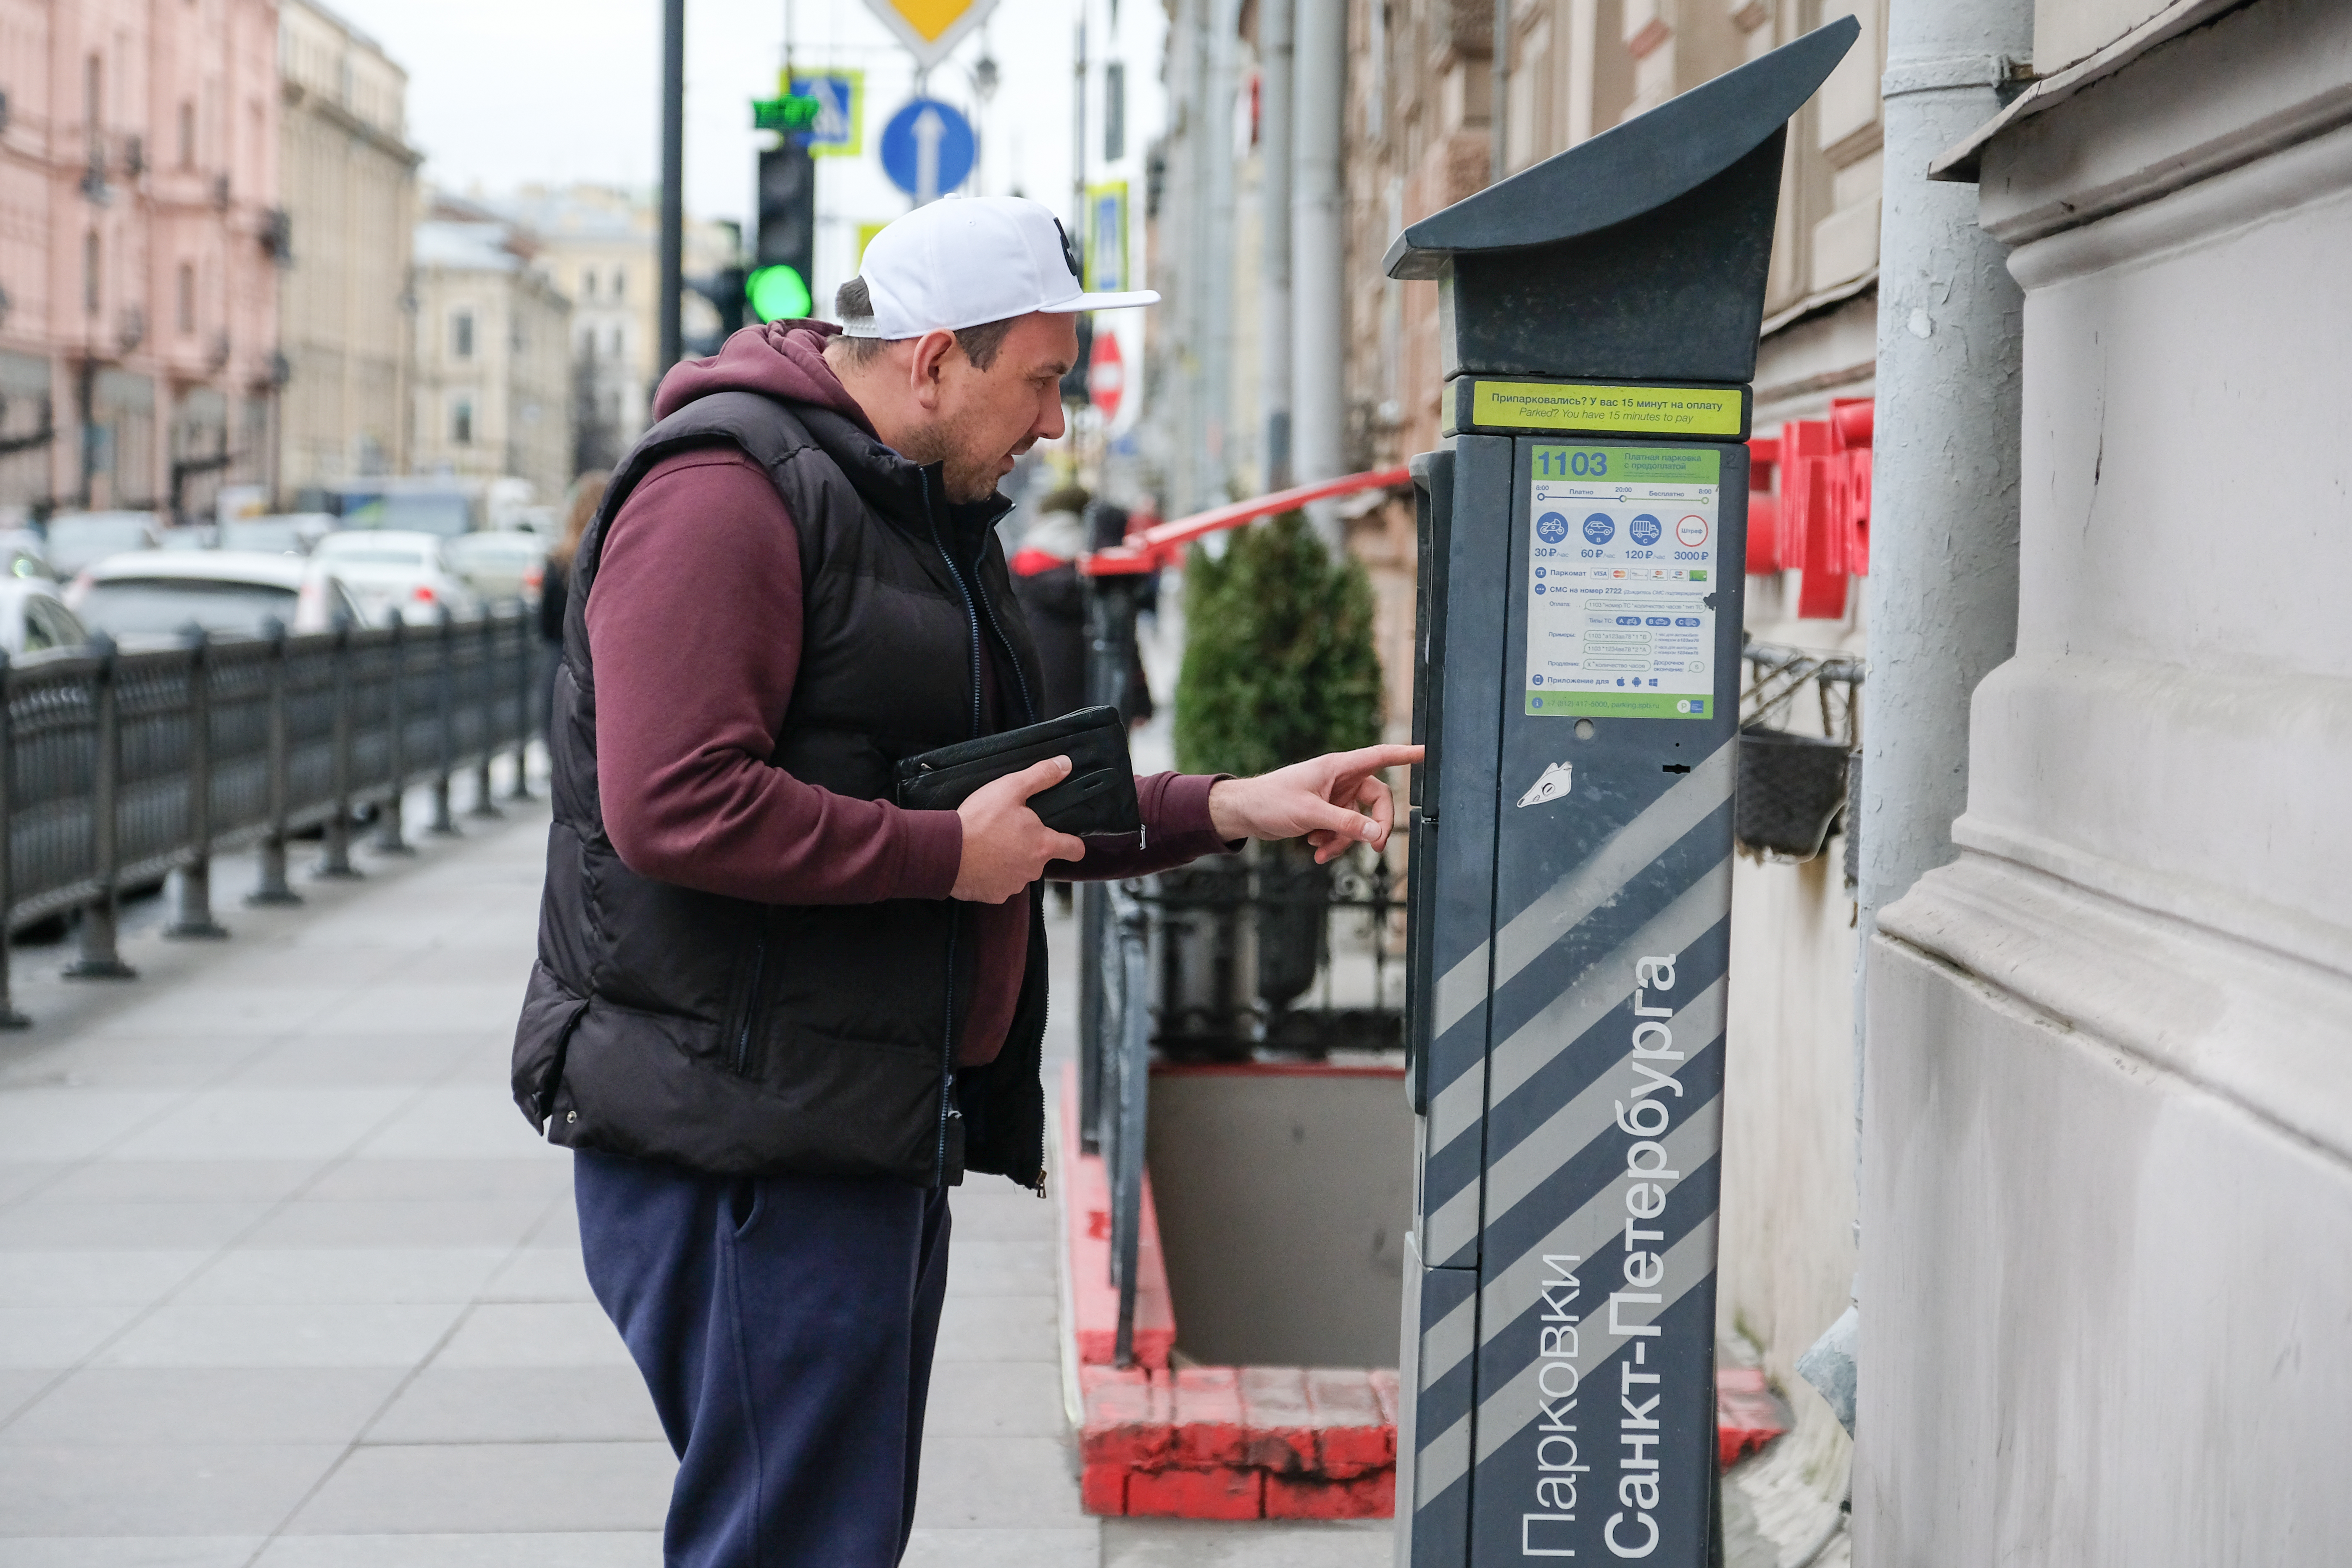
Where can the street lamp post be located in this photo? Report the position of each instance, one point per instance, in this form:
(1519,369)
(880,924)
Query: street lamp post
(673,195)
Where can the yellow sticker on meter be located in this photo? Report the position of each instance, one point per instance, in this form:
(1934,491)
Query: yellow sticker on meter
(1581,405)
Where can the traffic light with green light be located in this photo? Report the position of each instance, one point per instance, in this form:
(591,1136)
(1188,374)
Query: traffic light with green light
(784,253)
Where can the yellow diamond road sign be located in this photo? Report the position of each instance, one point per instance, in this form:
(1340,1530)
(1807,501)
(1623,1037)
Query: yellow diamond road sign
(930,28)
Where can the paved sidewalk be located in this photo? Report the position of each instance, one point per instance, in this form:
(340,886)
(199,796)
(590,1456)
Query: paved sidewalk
(284,1280)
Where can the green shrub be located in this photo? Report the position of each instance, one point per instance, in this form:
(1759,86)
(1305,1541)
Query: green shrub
(1280,662)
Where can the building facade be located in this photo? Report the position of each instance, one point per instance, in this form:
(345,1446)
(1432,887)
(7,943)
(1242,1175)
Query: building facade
(2107,1140)
(493,354)
(139,241)
(597,243)
(348,179)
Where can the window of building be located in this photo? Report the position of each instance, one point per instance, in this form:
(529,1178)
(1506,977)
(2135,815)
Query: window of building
(93,92)
(616,343)
(620,282)
(461,334)
(188,299)
(187,134)
(461,421)
(89,260)
(588,283)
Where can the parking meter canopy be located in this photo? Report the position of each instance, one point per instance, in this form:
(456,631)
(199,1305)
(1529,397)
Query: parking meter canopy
(1639,254)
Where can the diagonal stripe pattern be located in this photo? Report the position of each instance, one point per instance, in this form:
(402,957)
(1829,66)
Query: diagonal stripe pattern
(1451,1170)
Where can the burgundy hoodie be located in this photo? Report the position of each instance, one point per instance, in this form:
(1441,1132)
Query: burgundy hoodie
(694,623)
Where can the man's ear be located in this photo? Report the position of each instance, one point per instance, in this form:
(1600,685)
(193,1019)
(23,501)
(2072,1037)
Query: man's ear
(925,367)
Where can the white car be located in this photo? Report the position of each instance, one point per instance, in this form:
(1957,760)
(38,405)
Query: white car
(388,569)
(34,619)
(286,533)
(149,599)
(75,538)
(506,563)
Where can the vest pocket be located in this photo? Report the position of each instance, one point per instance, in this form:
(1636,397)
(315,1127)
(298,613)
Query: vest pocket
(748,1017)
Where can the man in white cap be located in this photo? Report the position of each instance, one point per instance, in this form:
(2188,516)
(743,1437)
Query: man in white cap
(775,1016)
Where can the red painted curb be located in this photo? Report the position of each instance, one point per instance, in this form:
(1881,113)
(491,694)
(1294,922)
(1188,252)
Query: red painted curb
(1252,1442)
(1207,1442)
(1093,1298)
(1748,1413)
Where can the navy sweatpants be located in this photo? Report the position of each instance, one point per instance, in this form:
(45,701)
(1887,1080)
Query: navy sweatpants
(784,1325)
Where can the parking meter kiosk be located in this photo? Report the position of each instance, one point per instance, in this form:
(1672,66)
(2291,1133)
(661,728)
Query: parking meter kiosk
(1577,682)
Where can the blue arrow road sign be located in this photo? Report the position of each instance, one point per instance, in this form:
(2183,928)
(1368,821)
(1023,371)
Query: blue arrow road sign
(927,149)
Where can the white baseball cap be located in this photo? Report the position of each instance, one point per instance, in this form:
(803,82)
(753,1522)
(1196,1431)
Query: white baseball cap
(962,260)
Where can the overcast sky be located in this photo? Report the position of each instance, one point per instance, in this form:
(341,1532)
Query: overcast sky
(555,91)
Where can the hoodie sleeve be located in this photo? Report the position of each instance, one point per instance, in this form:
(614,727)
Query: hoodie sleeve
(694,623)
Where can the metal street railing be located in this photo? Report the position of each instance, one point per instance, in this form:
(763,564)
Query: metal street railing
(117,769)
(1125,971)
(1118,1013)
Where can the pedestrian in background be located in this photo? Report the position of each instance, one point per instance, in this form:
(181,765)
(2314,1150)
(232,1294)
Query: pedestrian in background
(1070,524)
(1045,580)
(580,504)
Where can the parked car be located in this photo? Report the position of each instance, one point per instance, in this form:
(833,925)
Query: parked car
(34,619)
(189,536)
(507,564)
(406,571)
(149,598)
(24,553)
(287,533)
(443,507)
(75,538)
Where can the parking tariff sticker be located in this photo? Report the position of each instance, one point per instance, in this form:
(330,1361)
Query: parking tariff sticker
(1620,581)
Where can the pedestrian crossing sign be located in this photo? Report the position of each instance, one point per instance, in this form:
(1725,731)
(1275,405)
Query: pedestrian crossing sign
(840,127)
(930,29)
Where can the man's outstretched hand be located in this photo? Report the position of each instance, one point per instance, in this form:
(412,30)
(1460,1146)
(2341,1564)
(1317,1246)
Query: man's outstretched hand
(1005,847)
(1319,798)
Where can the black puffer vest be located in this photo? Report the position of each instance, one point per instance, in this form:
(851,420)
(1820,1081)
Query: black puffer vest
(740,1039)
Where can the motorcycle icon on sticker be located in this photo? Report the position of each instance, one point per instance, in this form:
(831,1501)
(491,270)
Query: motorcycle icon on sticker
(1551,785)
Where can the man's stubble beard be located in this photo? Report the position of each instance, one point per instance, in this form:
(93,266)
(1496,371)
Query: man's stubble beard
(949,443)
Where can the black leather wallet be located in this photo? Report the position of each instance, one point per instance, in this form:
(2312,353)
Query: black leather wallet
(1098,797)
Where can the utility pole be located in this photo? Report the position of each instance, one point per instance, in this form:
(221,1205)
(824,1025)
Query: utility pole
(1078,138)
(1273,34)
(1499,115)
(673,197)
(1319,256)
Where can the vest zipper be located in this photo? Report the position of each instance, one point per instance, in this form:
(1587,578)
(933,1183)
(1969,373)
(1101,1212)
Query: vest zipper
(1020,681)
(947,1058)
(955,916)
(1029,712)
(955,575)
(751,1006)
